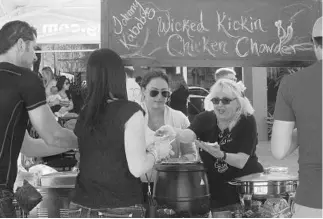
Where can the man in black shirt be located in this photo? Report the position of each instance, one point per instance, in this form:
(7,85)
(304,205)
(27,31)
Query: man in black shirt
(22,97)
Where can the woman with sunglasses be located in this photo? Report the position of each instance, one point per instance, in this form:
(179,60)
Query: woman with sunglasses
(155,93)
(62,99)
(227,139)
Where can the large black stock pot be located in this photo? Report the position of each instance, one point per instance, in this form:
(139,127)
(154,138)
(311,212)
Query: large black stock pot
(182,187)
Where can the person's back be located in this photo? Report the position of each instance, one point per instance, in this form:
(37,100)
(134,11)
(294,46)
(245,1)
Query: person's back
(111,136)
(16,98)
(303,91)
(105,180)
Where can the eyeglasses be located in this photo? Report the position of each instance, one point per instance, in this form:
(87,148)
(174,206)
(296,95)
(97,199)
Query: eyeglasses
(224,100)
(154,93)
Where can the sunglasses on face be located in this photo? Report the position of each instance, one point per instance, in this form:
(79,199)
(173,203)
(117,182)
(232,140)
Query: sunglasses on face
(224,100)
(154,93)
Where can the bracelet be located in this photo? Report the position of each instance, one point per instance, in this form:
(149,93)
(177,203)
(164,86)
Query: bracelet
(224,156)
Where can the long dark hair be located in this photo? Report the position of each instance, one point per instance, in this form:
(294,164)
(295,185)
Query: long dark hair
(105,78)
(60,84)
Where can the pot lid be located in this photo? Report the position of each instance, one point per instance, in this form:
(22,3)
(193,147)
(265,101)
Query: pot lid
(183,166)
(59,179)
(265,177)
(61,174)
(169,162)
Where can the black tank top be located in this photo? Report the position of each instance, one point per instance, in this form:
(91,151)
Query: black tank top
(104,180)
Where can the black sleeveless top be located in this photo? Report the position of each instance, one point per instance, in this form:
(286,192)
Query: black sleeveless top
(104,180)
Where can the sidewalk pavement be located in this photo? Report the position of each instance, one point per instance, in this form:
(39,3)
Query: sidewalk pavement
(266,159)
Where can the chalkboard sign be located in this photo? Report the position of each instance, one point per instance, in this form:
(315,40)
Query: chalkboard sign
(211,32)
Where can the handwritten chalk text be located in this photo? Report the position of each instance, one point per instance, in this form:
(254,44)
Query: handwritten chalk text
(188,26)
(192,38)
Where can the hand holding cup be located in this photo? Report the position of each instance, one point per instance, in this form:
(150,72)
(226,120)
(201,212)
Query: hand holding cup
(166,131)
(163,149)
(212,148)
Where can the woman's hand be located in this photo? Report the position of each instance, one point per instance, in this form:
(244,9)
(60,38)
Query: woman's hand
(54,103)
(166,130)
(211,148)
(163,149)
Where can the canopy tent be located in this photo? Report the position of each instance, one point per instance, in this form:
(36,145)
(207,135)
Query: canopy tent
(58,21)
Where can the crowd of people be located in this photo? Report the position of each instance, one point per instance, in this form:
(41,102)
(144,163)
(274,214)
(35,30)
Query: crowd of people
(57,92)
(120,141)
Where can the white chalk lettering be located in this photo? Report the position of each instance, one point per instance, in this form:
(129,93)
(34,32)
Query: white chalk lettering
(178,46)
(206,47)
(170,25)
(128,15)
(137,13)
(191,38)
(125,42)
(227,25)
(118,27)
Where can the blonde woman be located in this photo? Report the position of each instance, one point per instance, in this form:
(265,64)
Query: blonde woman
(222,73)
(227,138)
(48,80)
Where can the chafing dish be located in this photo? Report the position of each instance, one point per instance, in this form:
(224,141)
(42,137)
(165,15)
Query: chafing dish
(266,184)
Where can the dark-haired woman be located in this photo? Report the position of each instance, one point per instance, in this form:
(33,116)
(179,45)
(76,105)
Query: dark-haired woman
(111,136)
(64,97)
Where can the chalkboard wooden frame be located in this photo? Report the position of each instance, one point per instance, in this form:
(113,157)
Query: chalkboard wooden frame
(111,17)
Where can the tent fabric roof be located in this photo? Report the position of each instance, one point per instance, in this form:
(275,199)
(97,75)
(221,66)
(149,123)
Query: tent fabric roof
(60,21)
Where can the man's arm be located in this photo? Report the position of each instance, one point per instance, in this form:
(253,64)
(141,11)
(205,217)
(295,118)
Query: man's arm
(38,148)
(283,139)
(284,123)
(43,120)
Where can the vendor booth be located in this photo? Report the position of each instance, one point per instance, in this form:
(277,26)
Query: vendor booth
(253,34)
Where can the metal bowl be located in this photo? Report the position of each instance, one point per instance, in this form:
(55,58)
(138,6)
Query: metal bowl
(265,189)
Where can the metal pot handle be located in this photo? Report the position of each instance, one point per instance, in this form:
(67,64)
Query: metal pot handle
(291,200)
(234,183)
